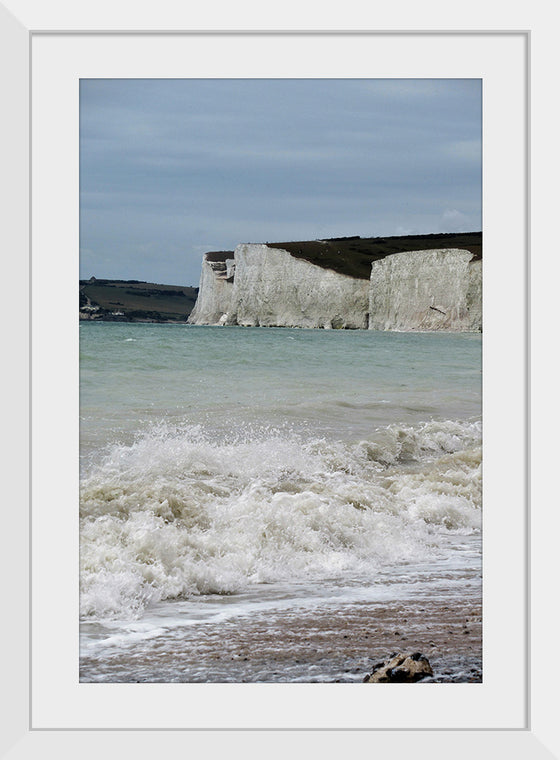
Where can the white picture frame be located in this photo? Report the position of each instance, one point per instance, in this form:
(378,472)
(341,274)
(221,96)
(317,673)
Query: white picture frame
(32,730)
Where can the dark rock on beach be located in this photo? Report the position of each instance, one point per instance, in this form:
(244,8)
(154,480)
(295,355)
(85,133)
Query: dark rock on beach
(400,668)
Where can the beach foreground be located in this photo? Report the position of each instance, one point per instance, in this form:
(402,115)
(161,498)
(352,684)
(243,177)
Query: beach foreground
(340,646)
(277,505)
(329,641)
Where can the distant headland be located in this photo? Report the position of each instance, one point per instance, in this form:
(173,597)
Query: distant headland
(135,301)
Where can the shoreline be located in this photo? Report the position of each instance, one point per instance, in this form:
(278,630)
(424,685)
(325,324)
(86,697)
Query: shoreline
(276,327)
(329,644)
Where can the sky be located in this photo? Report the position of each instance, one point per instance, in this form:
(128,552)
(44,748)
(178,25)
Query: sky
(173,168)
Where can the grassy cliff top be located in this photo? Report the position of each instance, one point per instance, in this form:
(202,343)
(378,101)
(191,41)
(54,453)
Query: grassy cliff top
(353,256)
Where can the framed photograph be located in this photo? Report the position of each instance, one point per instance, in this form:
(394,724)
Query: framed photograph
(82,689)
(280,470)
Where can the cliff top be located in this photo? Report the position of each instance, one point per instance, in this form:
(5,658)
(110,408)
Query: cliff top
(353,256)
(218,256)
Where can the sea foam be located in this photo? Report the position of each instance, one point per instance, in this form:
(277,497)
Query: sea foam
(181,513)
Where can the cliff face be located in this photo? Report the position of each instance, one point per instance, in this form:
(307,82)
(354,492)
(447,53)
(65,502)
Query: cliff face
(426,290)
(414,290)
(215,289)
(272,288)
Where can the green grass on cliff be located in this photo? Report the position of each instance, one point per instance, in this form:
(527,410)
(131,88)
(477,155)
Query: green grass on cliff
(353,256)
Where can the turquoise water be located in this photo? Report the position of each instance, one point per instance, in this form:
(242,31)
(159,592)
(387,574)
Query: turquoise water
(227,471)
(337,383)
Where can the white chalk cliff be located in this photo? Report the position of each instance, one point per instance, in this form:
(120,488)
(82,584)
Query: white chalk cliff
(271,288)
(214,292)
(268,287)
(426,290)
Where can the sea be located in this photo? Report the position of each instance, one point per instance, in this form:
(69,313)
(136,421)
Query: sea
(268,504)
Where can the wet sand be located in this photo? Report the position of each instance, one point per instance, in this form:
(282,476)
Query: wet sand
(336,644)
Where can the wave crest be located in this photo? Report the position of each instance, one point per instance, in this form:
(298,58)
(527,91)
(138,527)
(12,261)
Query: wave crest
(179,513)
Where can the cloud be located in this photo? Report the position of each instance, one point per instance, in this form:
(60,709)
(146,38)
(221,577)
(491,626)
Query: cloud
(464,150)
(453,220)
(168,167)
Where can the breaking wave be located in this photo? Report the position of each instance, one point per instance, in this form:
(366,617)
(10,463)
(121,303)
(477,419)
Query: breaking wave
(179,513)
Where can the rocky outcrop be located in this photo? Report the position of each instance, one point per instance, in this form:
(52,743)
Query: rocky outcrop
(401,668)
(426,290)
(271,288)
